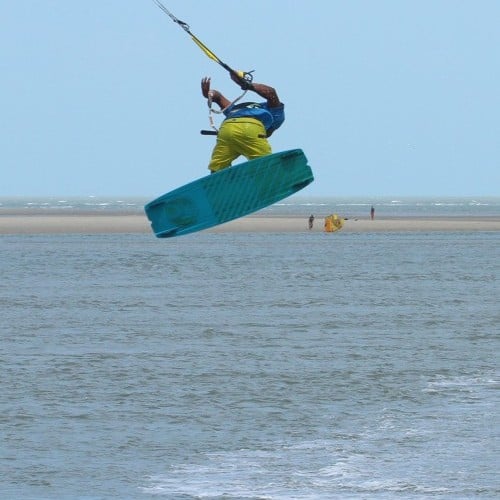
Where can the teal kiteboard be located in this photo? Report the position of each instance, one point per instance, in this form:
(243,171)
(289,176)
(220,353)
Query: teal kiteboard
(229,194)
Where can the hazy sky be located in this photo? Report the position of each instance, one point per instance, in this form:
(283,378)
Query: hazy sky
(386,97)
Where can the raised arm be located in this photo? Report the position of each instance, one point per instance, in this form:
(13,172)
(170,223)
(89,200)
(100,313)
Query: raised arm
(215,95)
(265,91)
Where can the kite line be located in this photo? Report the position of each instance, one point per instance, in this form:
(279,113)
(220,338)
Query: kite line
(246,77)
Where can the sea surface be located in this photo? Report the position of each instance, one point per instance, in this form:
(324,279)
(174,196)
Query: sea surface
(250,366)
(298,205)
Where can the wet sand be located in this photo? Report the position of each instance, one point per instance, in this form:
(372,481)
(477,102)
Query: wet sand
(24,223)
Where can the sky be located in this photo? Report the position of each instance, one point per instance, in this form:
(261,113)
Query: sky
(385,97)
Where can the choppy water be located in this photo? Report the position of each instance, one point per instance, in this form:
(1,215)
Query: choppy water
(250,366)
(298,205)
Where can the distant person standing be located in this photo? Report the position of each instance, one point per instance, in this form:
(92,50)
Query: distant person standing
(311,221)
(372,213)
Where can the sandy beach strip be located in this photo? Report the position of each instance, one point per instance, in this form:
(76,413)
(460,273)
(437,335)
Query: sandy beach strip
(133,223)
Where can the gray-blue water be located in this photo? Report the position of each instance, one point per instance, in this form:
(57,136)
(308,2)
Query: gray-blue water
(297,205)
(250,366)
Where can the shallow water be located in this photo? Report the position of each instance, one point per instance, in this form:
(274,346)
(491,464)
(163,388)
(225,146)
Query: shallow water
(298,205)
(312,366)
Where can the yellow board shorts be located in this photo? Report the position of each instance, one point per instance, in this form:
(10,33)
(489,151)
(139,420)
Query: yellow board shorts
(236,137)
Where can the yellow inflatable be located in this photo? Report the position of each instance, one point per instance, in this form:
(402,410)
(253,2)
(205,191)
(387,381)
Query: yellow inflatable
(333,223)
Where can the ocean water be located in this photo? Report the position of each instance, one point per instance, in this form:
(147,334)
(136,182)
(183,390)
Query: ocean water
(250,366)
(298,205)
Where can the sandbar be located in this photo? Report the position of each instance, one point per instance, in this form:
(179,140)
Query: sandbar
(87,223)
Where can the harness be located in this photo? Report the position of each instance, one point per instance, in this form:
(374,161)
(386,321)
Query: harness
(221,111)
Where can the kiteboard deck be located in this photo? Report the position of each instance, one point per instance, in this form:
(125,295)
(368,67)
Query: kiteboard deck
(229,194)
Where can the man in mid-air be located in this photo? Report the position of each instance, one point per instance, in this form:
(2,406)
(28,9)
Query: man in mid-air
(247,125)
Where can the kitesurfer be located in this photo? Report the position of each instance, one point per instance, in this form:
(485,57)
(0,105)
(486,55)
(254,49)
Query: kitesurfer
(246,126)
